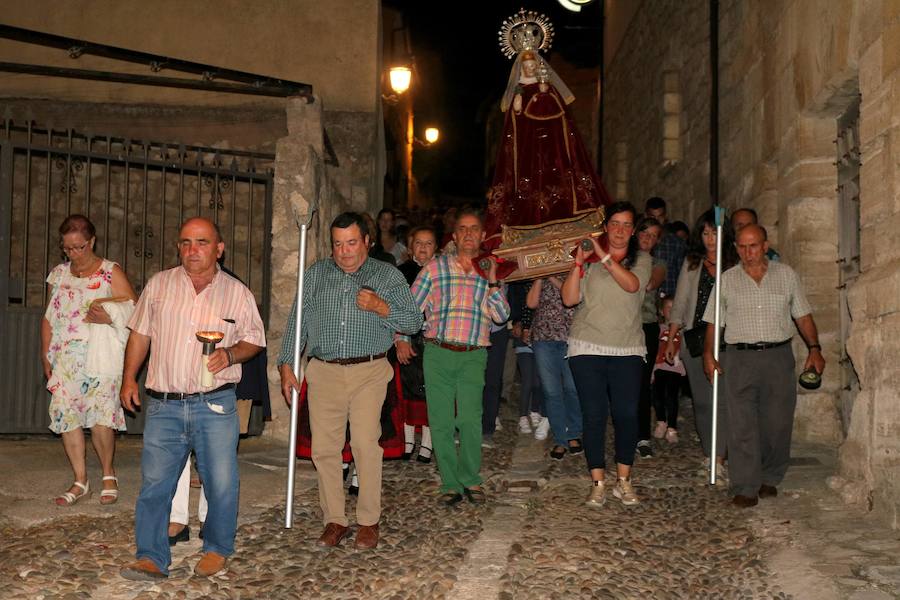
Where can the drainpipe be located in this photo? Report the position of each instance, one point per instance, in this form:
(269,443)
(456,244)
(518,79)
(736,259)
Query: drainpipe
(714,102)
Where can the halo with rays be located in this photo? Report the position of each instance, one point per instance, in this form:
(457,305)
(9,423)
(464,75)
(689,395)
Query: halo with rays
(525,29)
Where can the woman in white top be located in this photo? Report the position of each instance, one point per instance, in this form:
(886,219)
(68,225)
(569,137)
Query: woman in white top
(79,399)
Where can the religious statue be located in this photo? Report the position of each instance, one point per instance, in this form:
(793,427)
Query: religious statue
(545,188)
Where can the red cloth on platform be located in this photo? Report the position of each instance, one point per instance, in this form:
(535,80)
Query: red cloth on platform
(543,173)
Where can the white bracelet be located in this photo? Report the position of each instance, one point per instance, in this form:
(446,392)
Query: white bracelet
(606,259)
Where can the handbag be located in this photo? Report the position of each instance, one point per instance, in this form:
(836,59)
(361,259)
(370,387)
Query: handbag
(694,339)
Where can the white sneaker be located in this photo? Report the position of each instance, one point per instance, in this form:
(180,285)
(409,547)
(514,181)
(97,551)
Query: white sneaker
(672,436)
(542,429)
(625,492)
(597,497)
(535,418)
(660,431)
(524,425)
(497,425)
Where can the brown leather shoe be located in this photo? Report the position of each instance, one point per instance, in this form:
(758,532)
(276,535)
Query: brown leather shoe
(210,564)
(142,569)
(333,535)
(767,491)
(367,536)
(744,501)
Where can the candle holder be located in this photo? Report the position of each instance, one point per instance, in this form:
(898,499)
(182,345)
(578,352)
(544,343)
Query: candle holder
(209,339)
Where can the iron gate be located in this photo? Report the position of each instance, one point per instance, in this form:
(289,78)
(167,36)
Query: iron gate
(137,194)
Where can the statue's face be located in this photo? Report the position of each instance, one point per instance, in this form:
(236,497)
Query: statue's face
(529,68)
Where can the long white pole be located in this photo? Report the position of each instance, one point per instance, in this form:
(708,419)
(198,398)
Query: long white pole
(298,371)
(720,212)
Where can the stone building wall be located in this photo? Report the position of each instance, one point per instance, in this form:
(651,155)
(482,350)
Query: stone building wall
(789,71)
(663,36)
(337,52)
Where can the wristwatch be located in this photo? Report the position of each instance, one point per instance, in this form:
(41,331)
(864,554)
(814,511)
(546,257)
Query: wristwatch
(605,260)
(811,346)
(495,284)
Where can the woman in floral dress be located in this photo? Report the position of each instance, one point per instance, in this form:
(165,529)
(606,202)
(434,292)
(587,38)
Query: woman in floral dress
(78,290)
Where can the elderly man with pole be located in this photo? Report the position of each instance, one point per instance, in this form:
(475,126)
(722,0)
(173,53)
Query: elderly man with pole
(352,306)
(180,318)
(759,298)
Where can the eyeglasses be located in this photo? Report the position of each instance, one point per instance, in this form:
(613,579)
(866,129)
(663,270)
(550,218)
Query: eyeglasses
(75,249)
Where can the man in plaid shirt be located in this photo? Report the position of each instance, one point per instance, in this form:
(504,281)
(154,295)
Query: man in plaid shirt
(759,299)
(352,306)
(670,248)
(459,306)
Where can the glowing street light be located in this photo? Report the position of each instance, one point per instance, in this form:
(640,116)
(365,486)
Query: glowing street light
(400,79)
(432,134)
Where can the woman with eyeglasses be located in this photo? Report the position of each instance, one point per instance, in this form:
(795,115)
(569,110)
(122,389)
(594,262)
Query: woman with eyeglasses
(83,337)
(606,347)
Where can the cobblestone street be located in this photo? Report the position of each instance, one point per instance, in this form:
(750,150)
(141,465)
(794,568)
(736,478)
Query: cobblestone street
(534,539)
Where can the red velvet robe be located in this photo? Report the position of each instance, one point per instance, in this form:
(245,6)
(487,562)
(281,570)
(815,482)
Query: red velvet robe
(543,173)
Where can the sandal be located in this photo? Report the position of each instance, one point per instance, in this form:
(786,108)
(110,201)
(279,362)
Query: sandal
(557,453)
(68,498)
(111,494)
(575,446)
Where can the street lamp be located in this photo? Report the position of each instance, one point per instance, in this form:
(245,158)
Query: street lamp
(400,79)
(432,134)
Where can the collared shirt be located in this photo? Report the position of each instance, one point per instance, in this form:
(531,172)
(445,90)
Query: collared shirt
(459,307)
(761,312)
(334,327)
(671,249)
(171,313)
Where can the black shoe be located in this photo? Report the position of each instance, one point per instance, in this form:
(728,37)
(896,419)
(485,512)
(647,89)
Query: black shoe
(424,459)
(577,448)
(744,501)
(476,495)
(450,499)
(558,453)
(644,450)
(182,536)
(353,490)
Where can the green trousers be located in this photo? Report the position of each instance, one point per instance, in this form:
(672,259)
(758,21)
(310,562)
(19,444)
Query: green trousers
(454,382)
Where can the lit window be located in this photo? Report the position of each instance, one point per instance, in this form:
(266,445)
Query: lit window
(621,171)
(671,150)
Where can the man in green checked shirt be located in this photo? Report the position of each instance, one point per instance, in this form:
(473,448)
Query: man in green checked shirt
(352,306)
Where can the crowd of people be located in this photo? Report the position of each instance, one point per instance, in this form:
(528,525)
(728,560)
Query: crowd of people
(626,332)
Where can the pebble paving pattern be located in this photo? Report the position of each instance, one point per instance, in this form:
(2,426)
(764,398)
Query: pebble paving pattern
(421,548)
(682,541)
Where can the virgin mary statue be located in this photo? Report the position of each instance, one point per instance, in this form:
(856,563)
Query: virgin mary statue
(543,174)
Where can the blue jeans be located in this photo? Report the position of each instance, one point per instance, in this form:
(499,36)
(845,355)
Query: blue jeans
(608,384)
(560,394)
(208,424)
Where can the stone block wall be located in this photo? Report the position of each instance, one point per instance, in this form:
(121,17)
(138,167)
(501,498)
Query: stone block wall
(663,36)
(788,70)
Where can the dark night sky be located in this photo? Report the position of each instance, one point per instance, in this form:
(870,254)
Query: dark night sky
(461,76)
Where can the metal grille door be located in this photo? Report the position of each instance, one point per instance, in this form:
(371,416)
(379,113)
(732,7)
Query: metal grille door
(137,193)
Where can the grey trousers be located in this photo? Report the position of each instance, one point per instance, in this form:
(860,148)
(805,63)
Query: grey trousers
(701,389)
(762,395)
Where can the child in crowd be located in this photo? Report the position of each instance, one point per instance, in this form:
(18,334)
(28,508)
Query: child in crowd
(666,381)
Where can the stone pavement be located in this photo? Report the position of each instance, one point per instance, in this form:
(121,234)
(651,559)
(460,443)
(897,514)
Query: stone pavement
(534,538)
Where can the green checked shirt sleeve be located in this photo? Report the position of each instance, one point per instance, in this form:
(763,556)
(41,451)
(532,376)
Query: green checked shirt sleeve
(334,327)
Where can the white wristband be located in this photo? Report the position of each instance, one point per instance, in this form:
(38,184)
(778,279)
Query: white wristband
(606,259)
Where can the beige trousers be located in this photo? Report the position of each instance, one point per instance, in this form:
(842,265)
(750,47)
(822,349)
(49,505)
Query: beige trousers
(338,394)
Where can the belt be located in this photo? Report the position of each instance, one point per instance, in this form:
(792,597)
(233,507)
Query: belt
(455,347)
(353,361)
(180,396)
(761,345)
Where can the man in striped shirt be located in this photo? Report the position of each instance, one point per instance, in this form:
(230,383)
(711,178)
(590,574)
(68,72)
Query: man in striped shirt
(352,306)
(459,306)
(183,414)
